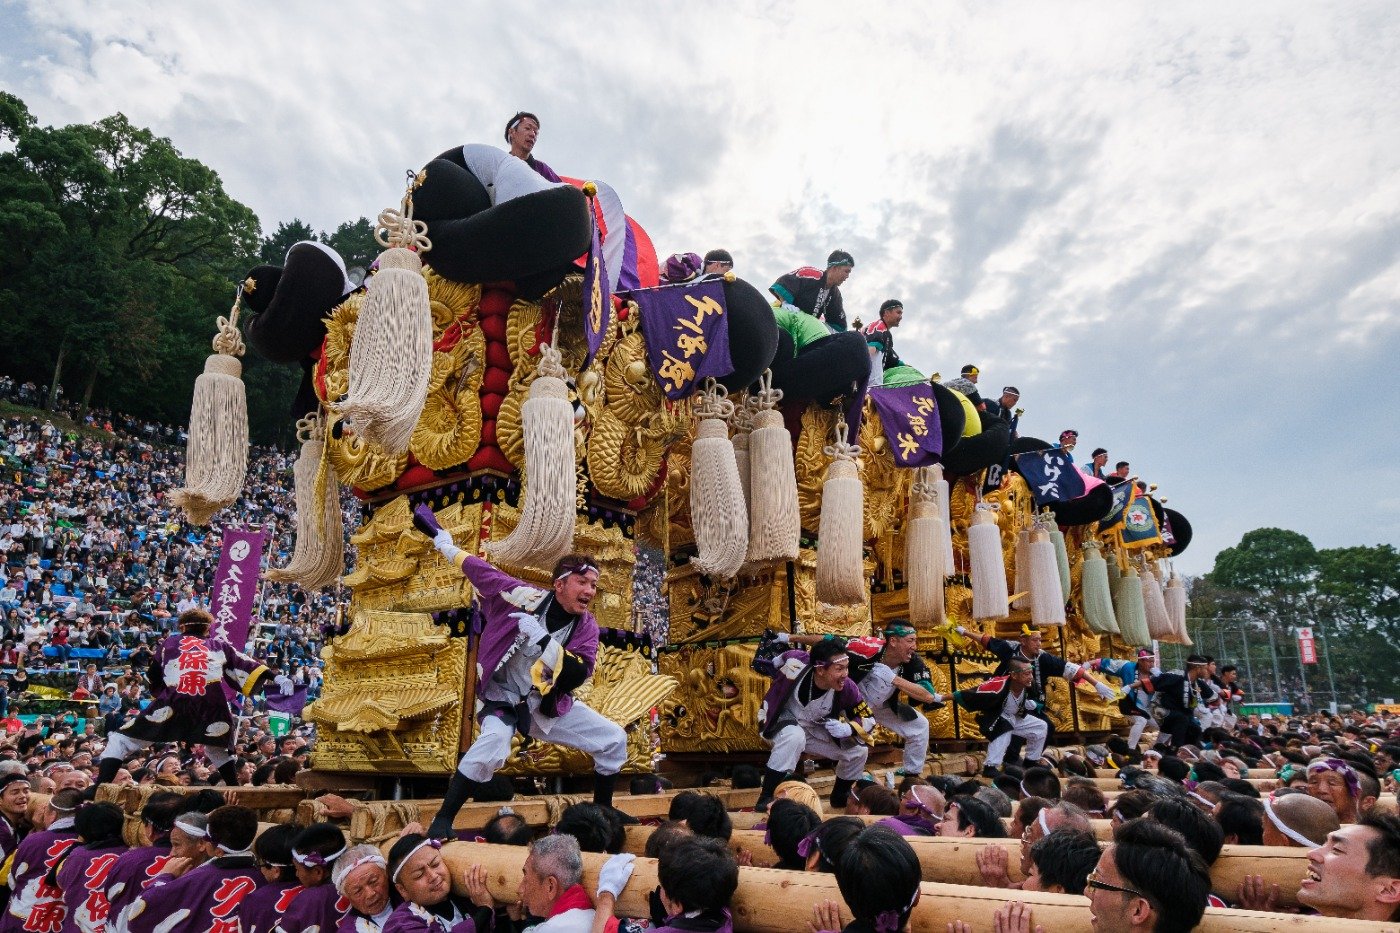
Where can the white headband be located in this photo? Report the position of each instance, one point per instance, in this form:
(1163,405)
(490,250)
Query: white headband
(229,850)
(1287,830)
(371,858)
(435,843)
(1044,823)
(189,829)
(1205,800)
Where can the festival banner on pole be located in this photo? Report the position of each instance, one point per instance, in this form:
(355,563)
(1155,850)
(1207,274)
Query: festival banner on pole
(597,295)
(1050,475)
(235,585)
(1122,495)
(687,332)
(1140,523)
(1307,648)
(909,416)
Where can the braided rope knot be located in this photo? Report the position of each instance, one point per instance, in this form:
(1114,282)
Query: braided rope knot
(838,449)
(713,402)
(767,397)
(551,362)
(398,228)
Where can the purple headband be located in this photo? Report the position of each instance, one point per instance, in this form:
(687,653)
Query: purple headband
(681,267)
(1342,768)
(889,921)
(315,859)
(807,843)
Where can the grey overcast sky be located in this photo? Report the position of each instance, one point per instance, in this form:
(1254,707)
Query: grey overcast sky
(1176,227)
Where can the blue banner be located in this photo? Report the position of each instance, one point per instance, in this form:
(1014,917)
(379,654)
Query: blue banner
(1050,475)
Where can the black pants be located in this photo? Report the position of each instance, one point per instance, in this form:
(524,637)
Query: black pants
(1182,727)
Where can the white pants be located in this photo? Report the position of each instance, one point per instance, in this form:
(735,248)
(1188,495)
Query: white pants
(1140,722)
(122,747)
(1031,729)
(580,728)
(915,736)
(792,740)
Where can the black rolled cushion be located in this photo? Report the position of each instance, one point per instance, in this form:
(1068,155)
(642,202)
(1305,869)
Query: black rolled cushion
(521,238)
(292,325)
(825,369)
(976,453)
(1090,507)
(753,334)
(449,191)
(1181,530)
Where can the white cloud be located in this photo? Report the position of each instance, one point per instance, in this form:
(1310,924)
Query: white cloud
(1175,228)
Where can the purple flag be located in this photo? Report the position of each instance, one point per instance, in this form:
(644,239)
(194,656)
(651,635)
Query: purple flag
(597,296)
(289,703)
(687,332)
(909,416)
(235,585)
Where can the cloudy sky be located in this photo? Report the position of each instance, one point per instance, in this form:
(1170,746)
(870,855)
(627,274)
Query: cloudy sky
(1176,227)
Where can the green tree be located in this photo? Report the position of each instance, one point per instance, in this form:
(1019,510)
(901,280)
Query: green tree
(1359,589)
(273,249)
(354,241)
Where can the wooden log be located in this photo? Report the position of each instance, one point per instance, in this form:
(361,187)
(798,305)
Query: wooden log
(774,901)
(132,797)
(1259,774)
(954,861)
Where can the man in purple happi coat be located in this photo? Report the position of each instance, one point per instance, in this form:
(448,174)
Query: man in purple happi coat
(187,677)
(536,647)
(37,904)
(204,899)
(813,706)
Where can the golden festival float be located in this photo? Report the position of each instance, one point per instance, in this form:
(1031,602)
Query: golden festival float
(675,429)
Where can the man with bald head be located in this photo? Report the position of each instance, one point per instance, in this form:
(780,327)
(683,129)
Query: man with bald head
(1298,820)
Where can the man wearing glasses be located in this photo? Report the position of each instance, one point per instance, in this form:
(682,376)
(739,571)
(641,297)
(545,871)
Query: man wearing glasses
(1148,879)
(536,647)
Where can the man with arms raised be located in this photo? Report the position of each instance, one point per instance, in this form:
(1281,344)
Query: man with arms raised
(537,647)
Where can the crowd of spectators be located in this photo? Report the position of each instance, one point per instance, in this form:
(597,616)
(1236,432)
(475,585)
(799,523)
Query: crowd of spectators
(97,566)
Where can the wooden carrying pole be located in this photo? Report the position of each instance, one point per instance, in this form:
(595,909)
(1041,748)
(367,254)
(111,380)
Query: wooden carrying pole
(770,900)
(954,861)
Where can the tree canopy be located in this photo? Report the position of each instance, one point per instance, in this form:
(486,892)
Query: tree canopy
(117,254)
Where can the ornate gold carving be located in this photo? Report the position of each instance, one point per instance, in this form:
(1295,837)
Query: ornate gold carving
(715,705)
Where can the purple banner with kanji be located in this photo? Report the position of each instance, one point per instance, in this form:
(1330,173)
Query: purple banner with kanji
(687,332)
(909,416)
(235,585)
(597,296)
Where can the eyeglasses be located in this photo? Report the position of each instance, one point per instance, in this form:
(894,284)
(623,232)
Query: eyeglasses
(1093,881)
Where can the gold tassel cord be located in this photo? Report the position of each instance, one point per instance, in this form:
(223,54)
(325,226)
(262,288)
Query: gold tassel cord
(318,559)
(546,528)
(391,355)
(840,558)
(717,512)
(776,520)
(216,454)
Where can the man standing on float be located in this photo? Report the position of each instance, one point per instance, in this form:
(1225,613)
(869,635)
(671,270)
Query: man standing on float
(536,647)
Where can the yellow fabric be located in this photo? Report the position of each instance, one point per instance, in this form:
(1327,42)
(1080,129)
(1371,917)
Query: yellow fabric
(973,425)
(251,683)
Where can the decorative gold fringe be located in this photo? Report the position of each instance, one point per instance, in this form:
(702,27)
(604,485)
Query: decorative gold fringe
(319,556)
(923,555)
(775,526)
(1094,589)
(216,454)
(717,513)
(545,532)
(391,355)
(840,548)
(1047,599)
(988,565)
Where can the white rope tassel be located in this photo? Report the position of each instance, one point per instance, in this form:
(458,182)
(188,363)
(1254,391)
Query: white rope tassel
(1175,598)
(923,556)
(1129,609)
(1021,560)
(840,531)
(1159,624)
(319,556)
(740,441)
(391,354)
(940,495)
(717,513)
(1047,599)
(1095,592)
(546,529)
(988,566)
(216,454)
(775,520)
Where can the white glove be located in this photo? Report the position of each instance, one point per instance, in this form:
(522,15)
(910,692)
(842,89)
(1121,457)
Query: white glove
(961,631)
(1103,690)
(443,539)
(783,638)
(838,729)
(615,874)
(530,627)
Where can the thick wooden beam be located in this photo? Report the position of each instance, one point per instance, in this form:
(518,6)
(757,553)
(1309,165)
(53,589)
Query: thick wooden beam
(774,901)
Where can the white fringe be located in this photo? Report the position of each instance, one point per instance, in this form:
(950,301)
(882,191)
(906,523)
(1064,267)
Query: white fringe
(988,567)
(216,454)
(318,558)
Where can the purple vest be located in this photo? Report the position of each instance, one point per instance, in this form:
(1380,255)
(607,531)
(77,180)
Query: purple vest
(35,904)
(264,908)
(133,871)
(321,906)
(203,900)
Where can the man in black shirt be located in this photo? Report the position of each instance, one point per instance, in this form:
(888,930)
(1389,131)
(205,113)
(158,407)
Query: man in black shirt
(818,291)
